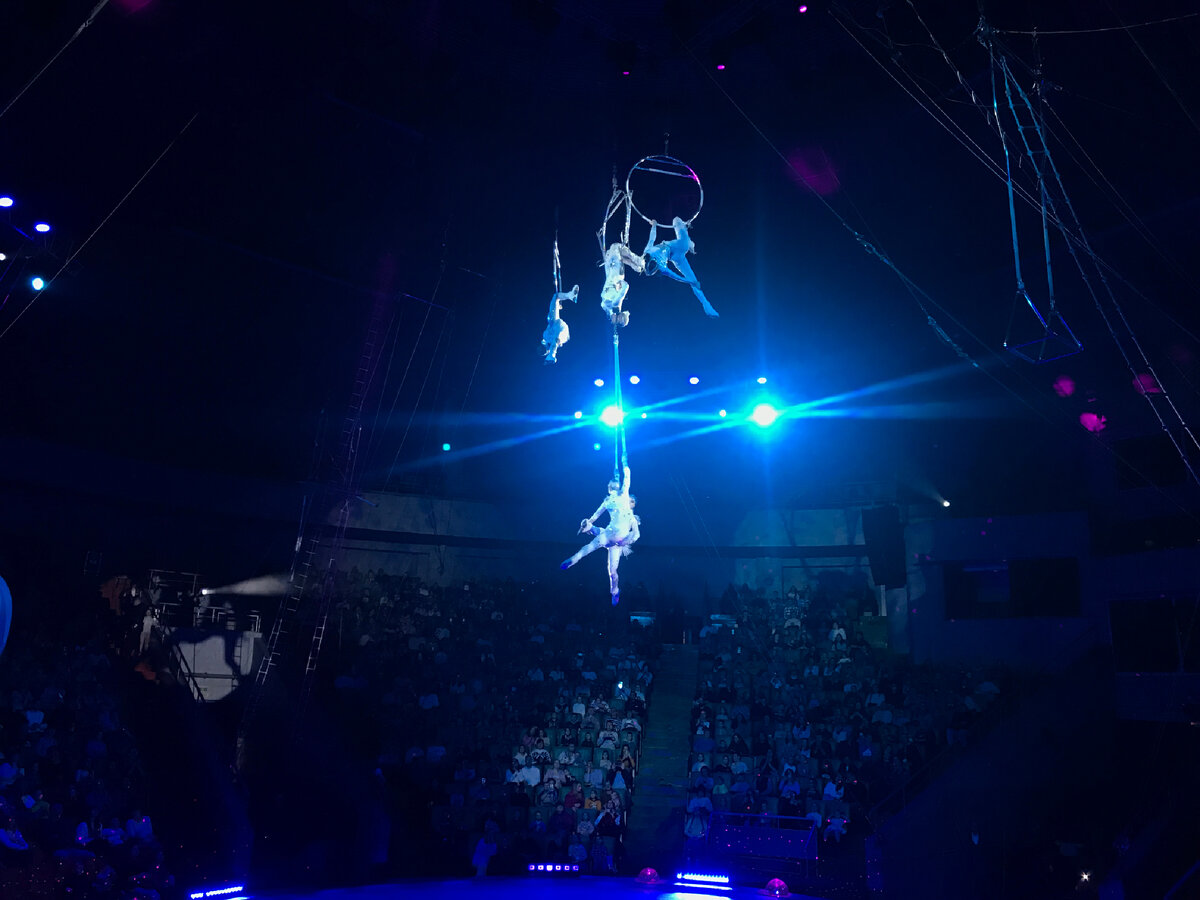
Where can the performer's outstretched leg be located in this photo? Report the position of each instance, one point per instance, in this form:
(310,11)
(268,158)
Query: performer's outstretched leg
(595,544)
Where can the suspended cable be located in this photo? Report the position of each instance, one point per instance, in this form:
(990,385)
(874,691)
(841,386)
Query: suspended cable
(917,292)
(103,222)
(91,17)
(1037,32)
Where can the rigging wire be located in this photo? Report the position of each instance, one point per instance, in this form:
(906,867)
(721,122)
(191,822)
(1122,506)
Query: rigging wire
(1039,33)
(1076,237)
(420,394)
(96,230)
(91,17)
(1021,191)
(917,292)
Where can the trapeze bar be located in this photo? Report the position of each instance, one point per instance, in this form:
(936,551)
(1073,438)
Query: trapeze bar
(691,176)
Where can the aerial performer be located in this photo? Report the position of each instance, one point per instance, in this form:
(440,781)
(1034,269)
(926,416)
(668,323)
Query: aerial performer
(617,537)
(557,333)
(674,253)
(612,295)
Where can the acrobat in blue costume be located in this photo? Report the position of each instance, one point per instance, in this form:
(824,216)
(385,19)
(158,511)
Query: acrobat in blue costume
(674,253)
(617,537)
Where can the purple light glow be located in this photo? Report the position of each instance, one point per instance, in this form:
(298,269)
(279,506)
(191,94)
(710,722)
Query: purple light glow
(721,67)
(1146,384)
(1093,422)
(812,167)
(1064,385)
(802,9)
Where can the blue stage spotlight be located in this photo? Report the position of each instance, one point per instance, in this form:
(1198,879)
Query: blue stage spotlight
(599,382)
(36,283)
(762,379)
(633,379)
(41,227)
(722,413)
(579,414)
(693,380)
(3,257)
(445,448)
(6,202)
(612,416)
(643,415)
(946,503)
(764,415)
(596,446)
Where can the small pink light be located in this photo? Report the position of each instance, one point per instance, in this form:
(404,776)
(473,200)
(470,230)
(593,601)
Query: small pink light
(1064,386)
(803,9)
(625,72)
(1092,422)
(721,67)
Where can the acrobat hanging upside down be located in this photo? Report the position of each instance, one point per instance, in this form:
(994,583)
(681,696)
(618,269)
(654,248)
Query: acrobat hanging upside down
(617,537)
(557,333)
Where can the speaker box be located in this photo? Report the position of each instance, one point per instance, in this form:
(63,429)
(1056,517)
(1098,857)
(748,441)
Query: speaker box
(884,537)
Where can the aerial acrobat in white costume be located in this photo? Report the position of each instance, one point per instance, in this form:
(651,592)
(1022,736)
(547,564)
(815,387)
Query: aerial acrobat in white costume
(674,253)
(612,295)
(616,537)
(557,333)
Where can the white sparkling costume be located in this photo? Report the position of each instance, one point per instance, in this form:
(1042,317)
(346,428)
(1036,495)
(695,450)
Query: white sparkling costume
(616,537)
(557,333)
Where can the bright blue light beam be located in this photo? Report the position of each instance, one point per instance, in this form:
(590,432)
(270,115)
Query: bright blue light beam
(612,416)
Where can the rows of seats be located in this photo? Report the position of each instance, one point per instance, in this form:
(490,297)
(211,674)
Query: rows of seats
(484,691)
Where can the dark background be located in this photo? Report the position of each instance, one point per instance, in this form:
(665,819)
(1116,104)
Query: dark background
(423,155)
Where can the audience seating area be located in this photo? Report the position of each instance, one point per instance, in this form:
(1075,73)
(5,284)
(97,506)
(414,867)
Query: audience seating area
(72,788)
(519,715)
(796,716)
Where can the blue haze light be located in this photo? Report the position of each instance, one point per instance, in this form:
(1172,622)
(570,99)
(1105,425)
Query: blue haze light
(36,283)
(445,448)
(41,227)
(633,379)
(596,446)
(764,415)
(6,202)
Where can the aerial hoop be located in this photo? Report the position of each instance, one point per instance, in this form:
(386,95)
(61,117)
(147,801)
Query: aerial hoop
(664,165)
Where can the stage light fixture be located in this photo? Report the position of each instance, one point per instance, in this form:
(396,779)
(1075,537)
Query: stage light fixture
(762,379)
(6,202)
(445,448)
(41,228)
(633,379)
(3,257)
(722,413)
(596,446)
(579,414)
(599,382)
(764,415)
(693,380)
(643,415)
(612,416)
(37,283)
(946,503)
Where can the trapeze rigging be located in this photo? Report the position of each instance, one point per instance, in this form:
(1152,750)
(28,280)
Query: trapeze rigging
(669,258)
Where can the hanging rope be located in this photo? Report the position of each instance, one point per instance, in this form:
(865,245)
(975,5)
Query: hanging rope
(620,451)
(1012,209)
(557,267)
